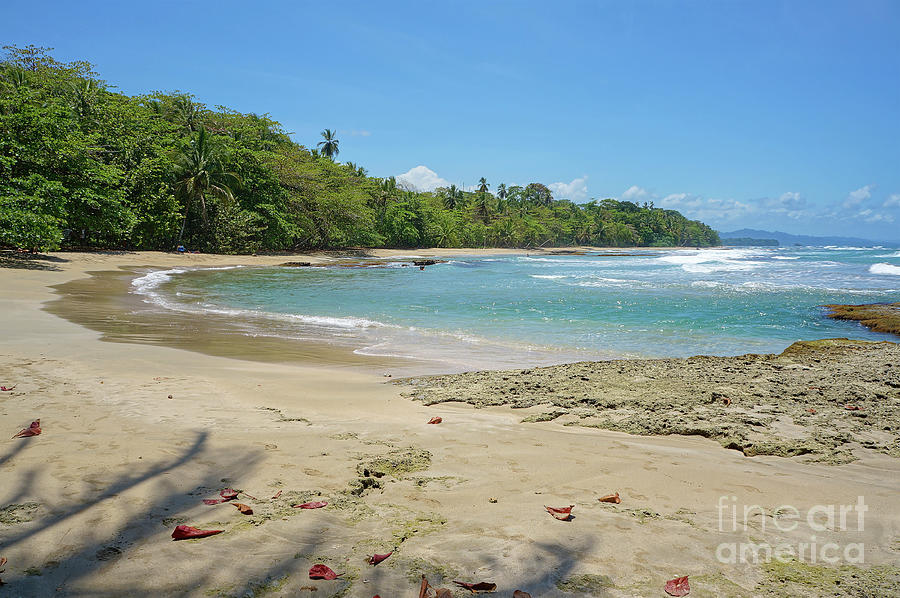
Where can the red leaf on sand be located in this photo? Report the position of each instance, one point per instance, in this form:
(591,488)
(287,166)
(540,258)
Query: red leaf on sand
(423,588)
(377,558)
(562,513)
(245,509)
(183,532)
(277,494)
(322,572)
(521,594)
(435,420)
(726,401)
(613,498)
(810,410)
(8,388)
(849,407)
(33,430)
(226,494)
(2,562)
(482,586)
(317,504)
(678,586)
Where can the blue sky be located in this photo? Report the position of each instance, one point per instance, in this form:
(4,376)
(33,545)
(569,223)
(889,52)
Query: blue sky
(764,114)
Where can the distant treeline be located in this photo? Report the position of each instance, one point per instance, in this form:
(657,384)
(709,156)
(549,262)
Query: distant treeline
(750,242)
(83,166)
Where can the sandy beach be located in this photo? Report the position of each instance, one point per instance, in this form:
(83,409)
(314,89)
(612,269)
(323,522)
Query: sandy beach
(136,434)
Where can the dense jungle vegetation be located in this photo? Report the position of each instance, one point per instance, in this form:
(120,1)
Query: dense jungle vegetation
(83,166)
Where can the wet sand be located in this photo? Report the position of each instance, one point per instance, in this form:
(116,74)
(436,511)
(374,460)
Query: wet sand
(88,507)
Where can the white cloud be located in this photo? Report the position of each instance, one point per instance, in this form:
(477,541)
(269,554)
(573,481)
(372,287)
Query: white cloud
(854,198)
(634,194)
(892,202)
(576,190)
(357,133)
(422,178)
(790,200)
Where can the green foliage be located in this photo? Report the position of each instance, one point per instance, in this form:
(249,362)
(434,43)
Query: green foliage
(82,166)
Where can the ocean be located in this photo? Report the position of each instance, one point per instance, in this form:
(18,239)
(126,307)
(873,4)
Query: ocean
(524,310)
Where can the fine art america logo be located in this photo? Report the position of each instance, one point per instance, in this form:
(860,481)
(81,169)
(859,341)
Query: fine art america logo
(787,519)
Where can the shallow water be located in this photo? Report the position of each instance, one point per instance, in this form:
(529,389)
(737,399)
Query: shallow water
(507,311)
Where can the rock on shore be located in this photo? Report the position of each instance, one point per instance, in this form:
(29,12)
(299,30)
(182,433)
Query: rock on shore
(822,399)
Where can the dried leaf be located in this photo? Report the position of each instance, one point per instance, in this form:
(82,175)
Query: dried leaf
(377,558)
(811,410)
(521,594)
(726,401)
(183,532)
(7,388)
(435,420)
(678,586)
(320,571)
(317,504)
(33,430)
(226,494)
(849,407)
(277,494)
(443,593)
(482,586)
(561,513)
(2,562)
(245,509)
(423,588)
(613,498)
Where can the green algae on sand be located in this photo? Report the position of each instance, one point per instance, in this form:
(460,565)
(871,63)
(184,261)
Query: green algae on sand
(879,317)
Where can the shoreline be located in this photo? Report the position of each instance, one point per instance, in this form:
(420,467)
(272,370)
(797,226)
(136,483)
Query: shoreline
(119,464)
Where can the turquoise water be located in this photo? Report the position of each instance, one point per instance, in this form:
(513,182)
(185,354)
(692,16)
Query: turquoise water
(527,310)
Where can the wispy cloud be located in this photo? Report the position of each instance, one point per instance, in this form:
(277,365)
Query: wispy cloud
(854,198)
(356,133)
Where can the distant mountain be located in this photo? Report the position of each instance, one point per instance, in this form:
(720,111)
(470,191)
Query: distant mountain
(787,239)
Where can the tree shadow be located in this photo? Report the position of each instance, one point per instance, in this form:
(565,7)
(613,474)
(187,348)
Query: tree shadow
(104,561)
(89,551)
(30,261)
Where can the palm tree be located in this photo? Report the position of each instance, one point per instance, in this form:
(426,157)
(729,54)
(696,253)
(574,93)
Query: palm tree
(83,94)
(483,207)
(186,112)
(501,191)
(329,146)
(483,185)
(199,172)
(453,198)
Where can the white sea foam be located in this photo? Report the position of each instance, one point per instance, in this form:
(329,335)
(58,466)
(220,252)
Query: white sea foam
(707,261)
(147,284)
(882,268)
(895,254)
(548,276)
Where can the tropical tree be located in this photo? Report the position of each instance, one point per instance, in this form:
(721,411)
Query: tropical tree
(482,185)
(329,145)
(483,206)
(199,172)
(454,198)
(186,112)
(501,191)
